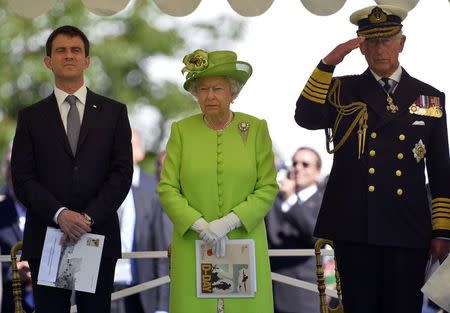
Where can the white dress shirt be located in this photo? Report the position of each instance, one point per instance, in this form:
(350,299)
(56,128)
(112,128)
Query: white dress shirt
(300,196)
(64,107)
(127,219)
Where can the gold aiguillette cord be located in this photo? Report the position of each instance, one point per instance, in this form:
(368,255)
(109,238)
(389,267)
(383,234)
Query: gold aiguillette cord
(345,110)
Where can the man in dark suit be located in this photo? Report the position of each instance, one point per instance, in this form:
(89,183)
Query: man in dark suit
(290,224)
(12,224)
(143,228)
(387,126)
(72,168)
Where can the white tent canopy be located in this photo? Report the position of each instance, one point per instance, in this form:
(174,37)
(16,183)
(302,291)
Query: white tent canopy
(31,9)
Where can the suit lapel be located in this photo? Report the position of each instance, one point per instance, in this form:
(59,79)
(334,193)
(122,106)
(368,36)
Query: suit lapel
(373,95)
(55,123)
(91,109)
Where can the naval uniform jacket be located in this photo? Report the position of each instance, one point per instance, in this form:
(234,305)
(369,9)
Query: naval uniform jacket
(380,198)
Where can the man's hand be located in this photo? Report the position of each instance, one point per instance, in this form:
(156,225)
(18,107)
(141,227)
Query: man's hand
(440,248)
(340,52)
(24,271)
(74,225)
(287,188)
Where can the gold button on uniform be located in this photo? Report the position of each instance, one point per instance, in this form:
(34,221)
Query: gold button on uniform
(400,156)
(371,188)
(372,153)
(373,135)
(398,173)
(401,137)
(371,170)
(399,191)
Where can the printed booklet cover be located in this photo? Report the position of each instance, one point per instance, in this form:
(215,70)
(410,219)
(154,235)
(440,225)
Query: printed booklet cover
(72,267)
(228,277)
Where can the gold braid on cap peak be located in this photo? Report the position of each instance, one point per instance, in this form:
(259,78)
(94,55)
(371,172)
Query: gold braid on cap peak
(344,110)
(378,32)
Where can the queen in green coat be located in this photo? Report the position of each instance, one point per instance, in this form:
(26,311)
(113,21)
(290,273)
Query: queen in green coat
(218,182)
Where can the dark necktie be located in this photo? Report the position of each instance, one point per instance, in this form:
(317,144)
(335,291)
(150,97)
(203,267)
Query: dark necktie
(73,123)
(387,85)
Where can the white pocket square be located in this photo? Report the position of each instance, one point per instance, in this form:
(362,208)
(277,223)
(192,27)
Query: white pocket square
(419,123)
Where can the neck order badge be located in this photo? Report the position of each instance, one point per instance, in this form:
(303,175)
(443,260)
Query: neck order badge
(387,87)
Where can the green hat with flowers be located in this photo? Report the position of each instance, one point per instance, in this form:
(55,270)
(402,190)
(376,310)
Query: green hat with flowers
(201,63)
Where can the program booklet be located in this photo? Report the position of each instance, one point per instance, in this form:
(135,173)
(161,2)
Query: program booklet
(72,267)
(233,276)
(437,286)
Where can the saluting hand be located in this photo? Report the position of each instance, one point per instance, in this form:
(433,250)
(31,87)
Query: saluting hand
(74,225)
(340,52)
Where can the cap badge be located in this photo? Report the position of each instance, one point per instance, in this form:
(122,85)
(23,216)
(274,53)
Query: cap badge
(377,16)
(419,151)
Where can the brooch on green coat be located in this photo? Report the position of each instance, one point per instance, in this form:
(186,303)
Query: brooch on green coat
(243,129)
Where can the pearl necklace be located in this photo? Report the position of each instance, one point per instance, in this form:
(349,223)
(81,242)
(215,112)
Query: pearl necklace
(230,118)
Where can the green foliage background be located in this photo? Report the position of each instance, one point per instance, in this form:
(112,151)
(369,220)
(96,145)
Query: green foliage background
(121,47)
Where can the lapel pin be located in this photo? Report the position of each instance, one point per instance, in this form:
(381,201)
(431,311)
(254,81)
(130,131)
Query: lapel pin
(94,106)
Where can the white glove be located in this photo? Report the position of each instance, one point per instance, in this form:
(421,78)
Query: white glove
(220,227)
(219,248)
(199,225)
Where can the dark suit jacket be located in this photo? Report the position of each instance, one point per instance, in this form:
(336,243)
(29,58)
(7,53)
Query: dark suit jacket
(395,212)
(294,230)
(47,176)
(150,235)
(10,234)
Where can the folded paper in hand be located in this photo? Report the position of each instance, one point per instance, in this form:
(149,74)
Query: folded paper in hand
(72,267)
(437,287)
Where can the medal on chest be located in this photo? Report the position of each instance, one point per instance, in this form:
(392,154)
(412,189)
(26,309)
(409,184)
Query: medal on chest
(391,106)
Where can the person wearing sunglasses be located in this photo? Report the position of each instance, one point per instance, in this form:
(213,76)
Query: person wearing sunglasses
(290,224)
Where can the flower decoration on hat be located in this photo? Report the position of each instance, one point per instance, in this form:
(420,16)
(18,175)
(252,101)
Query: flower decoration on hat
(201,63)
(197,61)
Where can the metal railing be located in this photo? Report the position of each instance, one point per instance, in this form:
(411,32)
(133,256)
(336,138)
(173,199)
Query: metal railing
(166,279)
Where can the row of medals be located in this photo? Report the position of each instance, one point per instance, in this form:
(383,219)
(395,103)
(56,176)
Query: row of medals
(414,109)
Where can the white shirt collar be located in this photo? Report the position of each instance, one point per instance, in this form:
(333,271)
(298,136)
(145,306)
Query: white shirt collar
(306,193)
(395,76)
(61,95)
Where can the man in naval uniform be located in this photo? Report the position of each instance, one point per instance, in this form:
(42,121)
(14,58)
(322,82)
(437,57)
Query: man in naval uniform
(386,127)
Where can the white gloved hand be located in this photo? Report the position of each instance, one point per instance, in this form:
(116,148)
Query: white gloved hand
(199,225)
(220,227)
(219,248)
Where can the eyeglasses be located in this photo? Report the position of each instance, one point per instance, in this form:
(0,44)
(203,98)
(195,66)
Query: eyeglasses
(303,163)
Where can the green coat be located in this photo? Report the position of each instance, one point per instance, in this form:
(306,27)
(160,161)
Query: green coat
(209,174)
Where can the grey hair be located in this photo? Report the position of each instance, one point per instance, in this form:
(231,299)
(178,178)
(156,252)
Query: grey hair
(235,86)
(399,34)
